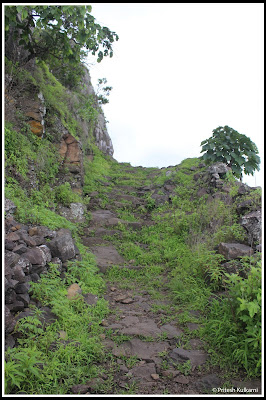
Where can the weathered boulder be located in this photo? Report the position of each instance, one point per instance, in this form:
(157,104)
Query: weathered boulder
(234,250)
(218,168)
(62,245)
(19,274)
(46,251)
(76,212)
(216,173)
(35,256)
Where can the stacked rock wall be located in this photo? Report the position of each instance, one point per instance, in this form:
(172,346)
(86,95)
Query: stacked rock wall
(28,250)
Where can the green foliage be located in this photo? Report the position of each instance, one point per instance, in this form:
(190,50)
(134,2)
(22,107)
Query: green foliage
(103,91)
(22,148)
(232,148)
(234,325)
(95,172)
(61,32)
(32,367)
(22,368)
(57,100)
(65,195)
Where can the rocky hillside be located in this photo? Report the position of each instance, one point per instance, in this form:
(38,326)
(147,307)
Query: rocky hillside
(120,279)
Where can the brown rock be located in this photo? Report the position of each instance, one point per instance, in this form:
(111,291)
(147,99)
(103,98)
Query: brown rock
(13,236)
(73,291)
(18,273)
(80,389)
(33,231)
(35,256)
(144,372)
(170,373)
(11,259)
(34,115)
(181,379)
(20,249)
(128,300)
(234,250)
(36,128)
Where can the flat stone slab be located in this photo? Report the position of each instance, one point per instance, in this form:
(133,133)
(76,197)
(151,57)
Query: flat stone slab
(93,241)
(103,218)
(144,372)
(208,382)
(144,350)
(171,331)
(144,328)
(234,250)
(196,357)
(106,256)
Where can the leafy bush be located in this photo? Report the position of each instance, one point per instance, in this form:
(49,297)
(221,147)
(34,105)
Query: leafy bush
(65,195)
(234,325)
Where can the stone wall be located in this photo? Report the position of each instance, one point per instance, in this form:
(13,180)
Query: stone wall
(28,250)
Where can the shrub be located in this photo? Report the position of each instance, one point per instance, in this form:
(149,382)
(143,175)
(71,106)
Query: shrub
(234,325)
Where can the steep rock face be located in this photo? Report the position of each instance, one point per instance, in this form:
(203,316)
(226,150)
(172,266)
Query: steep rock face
(102,138)
(99,129)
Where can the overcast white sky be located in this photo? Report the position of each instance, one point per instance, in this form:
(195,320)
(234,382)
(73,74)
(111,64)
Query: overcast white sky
(179,71)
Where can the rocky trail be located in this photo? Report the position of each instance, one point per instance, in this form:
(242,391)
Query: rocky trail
(150,345)
(149,352)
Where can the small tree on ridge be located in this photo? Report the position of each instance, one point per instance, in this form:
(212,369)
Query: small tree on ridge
(232,148)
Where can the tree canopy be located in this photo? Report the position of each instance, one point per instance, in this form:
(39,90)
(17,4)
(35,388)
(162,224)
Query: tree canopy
(232,148)
(64,32)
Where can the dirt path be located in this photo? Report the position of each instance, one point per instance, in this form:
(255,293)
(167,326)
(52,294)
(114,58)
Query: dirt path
(147,351)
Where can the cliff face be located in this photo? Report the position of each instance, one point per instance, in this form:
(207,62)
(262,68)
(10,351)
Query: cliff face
(71,119)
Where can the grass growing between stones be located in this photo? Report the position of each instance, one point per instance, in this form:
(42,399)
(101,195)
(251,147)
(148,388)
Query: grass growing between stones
(175,260)
(181,244)
(52,358)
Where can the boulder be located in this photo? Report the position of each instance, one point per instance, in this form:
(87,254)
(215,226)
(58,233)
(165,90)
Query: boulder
(234,250)
(46,251)
(218,168)
(19,274)
(35,256)
(11,259)
(62,246)
(76,212)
